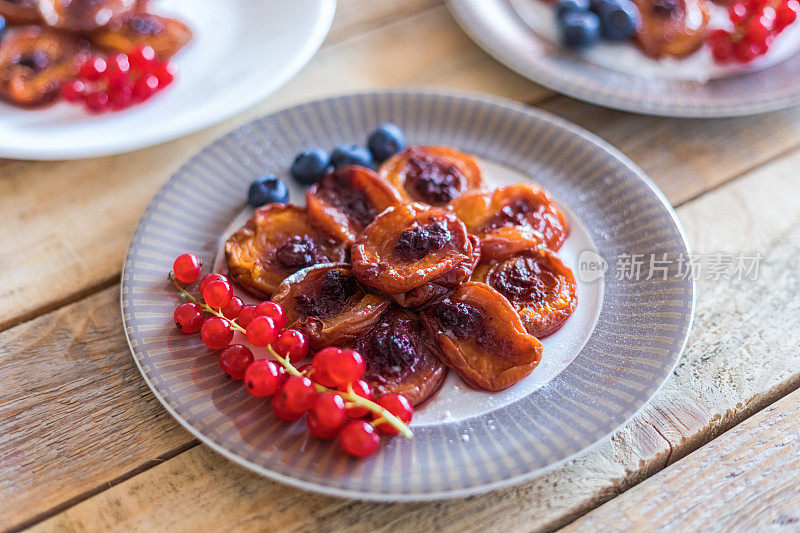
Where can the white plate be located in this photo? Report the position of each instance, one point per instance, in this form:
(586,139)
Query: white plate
(243,50)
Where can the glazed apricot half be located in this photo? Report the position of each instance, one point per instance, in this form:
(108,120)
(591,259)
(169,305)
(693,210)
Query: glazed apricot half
(34,61)
(346,200)
(402,357)
(82,15)
(432,175)
(276,242)
(327,304)
(135,29)
(20,11)
(482,337)
(673,28)
(539,286)
(414,254)
(511,219)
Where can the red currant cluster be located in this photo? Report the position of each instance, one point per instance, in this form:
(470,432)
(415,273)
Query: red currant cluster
(330,390)
(755,25)
(118,81)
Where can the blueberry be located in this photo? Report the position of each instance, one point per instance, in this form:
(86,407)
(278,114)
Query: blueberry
(571,5)
(309,166)
(351,154)
(618,21)
(2,26)
(597,5)
(267,190)
(580,29)
(386,140)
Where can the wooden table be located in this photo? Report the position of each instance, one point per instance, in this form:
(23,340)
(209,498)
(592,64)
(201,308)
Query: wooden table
(85,445)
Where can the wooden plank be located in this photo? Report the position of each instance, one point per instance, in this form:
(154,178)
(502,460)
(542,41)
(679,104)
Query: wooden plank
(745,479)
(72,221)
(74,411)
(741,356)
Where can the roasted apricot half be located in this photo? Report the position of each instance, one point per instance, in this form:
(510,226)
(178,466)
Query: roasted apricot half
(82,15)
(432,175)
(34,61)
(674,28)
(402,357)
(346,200)
(20,11)
(539,286)
(414,253)
(327,304)
(131,30)
(276,242)
(482,337)
(513,218)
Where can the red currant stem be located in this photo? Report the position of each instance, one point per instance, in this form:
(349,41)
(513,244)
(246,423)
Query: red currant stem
(349,396)
(207,308)
(377,421)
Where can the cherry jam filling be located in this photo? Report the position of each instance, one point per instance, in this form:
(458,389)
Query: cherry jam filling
(463,320)
(523,281)
(434,182)
(392,348)
(418,241)
(351,201)
(517,213)
(145,25)
(299,252)
(330,295)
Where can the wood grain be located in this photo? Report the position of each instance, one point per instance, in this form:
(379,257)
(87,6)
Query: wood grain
(742,356)
(75,413)
(72,221)
(744,480)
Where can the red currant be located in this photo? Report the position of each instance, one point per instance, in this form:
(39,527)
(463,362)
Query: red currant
(306,369)
(118,68)
(359,439)
(235,359)
(165,74)
(263,378)
(142,58)
(121,97)
(96,102)
(786,14)
(281,410)
(338,366)
(218,293)
(360,388)
(73,91)
(319,430)
(216,333)
(739,11)
(758,29)
(261,331)
(721,45)
(208,278)
(246,315)
(329,410)
(187,268)
(291,344)
(93,68)
(399,406)
(145,87)
(299,394)
(232,309)
(274,311)
(188,317)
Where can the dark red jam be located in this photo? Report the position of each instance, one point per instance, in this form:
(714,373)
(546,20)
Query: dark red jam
(434,182)
(144,24)
(513,214)
(347,199)
(523,280)
(299,251)
(463,320)
(392,347)
(419,241)
(329,297)
(37,61)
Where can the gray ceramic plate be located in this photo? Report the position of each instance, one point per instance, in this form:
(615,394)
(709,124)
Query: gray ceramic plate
(610,358)
(499,29)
